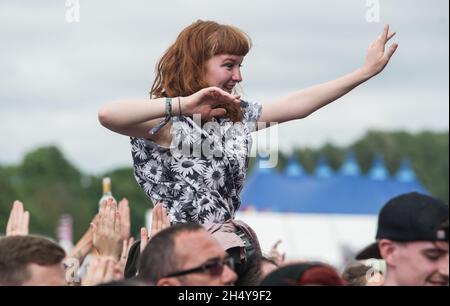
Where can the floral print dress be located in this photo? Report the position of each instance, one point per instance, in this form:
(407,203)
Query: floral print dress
(202,184)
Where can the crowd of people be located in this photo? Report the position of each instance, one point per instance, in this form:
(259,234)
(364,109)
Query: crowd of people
(411,248)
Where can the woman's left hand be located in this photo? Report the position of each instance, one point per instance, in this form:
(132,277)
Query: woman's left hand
(377,58)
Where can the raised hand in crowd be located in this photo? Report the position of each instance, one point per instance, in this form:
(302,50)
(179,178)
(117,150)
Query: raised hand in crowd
(101,270)
(160,221)
(125,219)
(18,220)
(107,239)
(126,245)
(275,255)
(144,238)
(84,245)
(75,257)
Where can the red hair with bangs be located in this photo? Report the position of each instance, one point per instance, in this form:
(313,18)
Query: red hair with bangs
(181,70)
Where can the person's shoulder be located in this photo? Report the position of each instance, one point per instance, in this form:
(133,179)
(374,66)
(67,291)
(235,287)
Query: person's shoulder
(251,110)
(245,104)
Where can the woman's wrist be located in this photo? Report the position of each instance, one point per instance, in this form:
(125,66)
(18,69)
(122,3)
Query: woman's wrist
(182,106)
(168,114)
(365,73)
(178,106)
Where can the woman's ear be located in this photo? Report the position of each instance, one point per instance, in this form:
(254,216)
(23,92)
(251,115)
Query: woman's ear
(168,281)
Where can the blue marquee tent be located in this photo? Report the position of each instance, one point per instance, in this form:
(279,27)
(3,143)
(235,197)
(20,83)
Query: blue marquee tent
(326,192)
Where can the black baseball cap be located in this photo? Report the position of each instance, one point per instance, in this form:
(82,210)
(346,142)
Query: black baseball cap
(409,217)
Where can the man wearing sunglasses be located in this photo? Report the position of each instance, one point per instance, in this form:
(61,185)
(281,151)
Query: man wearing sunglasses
(185,255)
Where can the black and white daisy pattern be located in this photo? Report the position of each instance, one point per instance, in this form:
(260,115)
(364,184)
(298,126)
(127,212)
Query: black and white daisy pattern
(206,203)
(178,214)
(214,177)
(153,170)
(139,150)
(197,187)
(188,165)
(187,195)
(184,133)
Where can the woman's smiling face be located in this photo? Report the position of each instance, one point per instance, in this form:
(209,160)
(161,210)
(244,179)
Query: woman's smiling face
(224,71)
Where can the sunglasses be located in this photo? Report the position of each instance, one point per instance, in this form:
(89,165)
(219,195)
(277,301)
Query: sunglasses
(214,266)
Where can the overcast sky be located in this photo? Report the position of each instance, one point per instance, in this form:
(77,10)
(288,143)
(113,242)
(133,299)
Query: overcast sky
(55,75)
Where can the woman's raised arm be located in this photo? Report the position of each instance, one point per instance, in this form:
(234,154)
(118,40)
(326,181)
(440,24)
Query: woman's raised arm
(304,102)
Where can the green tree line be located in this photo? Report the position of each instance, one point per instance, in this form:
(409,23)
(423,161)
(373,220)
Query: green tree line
(49,185)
